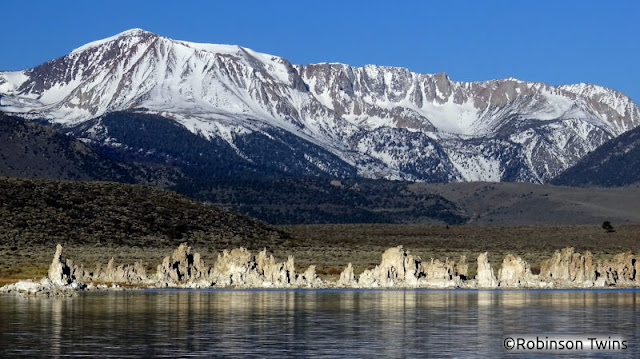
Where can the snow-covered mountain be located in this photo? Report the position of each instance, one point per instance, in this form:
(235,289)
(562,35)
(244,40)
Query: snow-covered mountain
(383,121)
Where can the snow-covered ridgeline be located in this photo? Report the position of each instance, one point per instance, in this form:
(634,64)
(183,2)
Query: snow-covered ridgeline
(386,121)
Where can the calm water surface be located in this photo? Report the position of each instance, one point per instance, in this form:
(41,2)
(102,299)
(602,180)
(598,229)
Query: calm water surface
(318,323)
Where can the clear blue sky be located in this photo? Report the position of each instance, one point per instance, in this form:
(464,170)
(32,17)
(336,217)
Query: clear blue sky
(556,42)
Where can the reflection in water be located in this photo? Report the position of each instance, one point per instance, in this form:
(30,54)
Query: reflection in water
(56,324)
(305,323)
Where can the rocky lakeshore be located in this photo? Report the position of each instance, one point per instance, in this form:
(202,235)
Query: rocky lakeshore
(398,268)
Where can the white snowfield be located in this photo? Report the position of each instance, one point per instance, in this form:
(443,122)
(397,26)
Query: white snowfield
(387,122)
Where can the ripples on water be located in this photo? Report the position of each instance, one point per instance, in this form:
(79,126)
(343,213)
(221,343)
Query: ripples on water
(329,323)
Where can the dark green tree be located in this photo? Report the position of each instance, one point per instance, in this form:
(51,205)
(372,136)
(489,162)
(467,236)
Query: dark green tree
(606,225)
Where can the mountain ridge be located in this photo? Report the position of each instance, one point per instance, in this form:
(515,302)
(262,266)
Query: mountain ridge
(385,122)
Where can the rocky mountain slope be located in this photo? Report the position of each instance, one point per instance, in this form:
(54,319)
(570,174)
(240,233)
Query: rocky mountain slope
(376,122)
(139,137)
(32,150)
(614,164)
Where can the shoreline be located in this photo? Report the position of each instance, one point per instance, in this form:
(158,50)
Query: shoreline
(350,289)
(332,247)
(398,269)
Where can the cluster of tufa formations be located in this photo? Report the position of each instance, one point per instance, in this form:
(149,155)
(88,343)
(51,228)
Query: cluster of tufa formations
(239,268)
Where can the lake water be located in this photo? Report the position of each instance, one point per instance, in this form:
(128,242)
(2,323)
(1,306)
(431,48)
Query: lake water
(310,323)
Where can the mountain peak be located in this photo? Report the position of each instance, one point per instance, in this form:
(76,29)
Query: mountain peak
(134,32)
(131,33)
